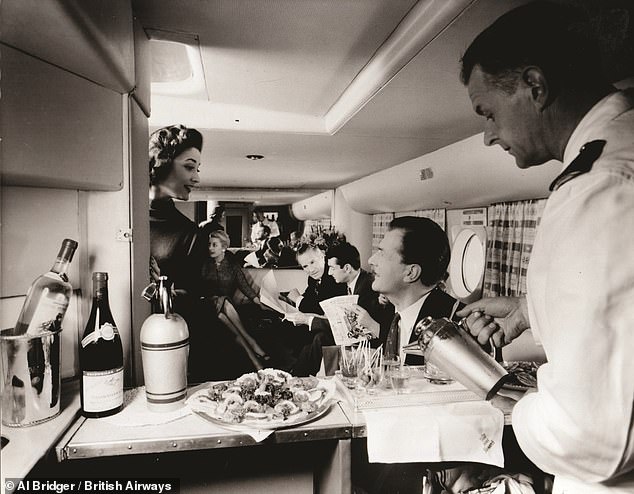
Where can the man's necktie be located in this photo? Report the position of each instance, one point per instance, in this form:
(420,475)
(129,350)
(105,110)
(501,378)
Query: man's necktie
(393,343)
(349,291)
(414,359)
(588,154)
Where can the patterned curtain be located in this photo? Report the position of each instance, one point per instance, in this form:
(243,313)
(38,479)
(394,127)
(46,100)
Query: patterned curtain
(512,228)
(437,215)
(380,223)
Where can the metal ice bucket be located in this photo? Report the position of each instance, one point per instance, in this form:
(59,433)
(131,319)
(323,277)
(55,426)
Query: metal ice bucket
(455,352)
(30,377)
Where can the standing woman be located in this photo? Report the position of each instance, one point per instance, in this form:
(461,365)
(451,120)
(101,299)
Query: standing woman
(174,154)
(178,251)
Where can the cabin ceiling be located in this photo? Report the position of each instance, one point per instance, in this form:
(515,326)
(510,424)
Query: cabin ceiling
(328,91)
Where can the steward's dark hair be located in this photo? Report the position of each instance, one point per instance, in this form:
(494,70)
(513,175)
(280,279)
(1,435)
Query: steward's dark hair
(345,253)
(166,144)
(554,37)
(426,244)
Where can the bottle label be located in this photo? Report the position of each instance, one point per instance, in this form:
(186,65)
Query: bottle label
(106,332)
(49,313)
(102,390)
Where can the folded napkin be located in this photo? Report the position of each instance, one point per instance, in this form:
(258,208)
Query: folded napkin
(257,435)
(464,431)
(135,412)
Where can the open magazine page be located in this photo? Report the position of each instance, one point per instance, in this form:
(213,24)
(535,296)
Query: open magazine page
(342,321)
(270,295)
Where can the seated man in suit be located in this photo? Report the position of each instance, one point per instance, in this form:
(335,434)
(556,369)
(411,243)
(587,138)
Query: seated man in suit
(321,286)
(344,266)
(409,269)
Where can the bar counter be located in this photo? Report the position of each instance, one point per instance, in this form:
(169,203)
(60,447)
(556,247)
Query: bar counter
(313,457)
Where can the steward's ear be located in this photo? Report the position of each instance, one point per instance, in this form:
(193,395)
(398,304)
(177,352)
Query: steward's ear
(347,268)
(412,273)
(540,91)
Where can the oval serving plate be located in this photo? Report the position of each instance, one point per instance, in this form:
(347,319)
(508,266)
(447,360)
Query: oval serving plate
(206,410)
(298,419)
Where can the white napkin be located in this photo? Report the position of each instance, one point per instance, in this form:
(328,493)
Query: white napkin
(257,435)
(465,431)
(135,412)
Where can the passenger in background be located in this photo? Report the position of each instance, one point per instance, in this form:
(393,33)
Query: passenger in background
(178,252)
(344,265)
(221,277)
(259,222)
(287,257)
(294,240)
(262,234)
(321,286)
(215,222)
(536,77)
(268,256)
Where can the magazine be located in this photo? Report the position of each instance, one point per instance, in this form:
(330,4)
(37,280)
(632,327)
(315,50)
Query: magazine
(271,297)
(342,320)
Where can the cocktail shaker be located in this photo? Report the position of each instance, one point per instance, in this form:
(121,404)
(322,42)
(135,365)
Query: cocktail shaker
(454,351)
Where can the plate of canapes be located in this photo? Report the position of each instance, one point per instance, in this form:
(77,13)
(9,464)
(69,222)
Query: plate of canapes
(266,399)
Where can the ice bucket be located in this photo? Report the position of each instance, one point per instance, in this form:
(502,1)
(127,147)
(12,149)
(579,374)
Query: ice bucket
(30,377)
(455,352)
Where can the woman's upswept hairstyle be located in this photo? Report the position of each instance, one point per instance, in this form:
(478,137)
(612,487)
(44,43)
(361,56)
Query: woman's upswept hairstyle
(166,144)
(221,236)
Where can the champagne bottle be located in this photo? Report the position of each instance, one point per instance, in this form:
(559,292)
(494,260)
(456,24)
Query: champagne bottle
(101,357)
(48,297)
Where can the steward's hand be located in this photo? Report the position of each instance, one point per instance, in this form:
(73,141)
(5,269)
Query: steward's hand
(501,318)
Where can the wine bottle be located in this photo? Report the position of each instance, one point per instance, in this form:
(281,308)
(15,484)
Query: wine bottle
(101,357)
(48,297)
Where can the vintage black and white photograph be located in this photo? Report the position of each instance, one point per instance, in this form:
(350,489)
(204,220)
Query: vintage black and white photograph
(317,246)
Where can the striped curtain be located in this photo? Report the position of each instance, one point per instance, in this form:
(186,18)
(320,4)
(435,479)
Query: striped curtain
(437,215)
(512,228)
(381,221)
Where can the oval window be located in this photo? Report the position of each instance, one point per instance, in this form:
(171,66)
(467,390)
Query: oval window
(467,263)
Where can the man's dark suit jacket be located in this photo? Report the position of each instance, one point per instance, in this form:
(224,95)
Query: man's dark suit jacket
(318,291)
(438,304)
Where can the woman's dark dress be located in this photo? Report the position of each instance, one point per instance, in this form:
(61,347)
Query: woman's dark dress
(180,253)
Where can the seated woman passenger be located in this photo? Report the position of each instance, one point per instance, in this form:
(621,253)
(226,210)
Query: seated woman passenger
(220,279)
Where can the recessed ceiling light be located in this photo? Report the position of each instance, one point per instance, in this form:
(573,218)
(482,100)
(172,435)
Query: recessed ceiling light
(254,157)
